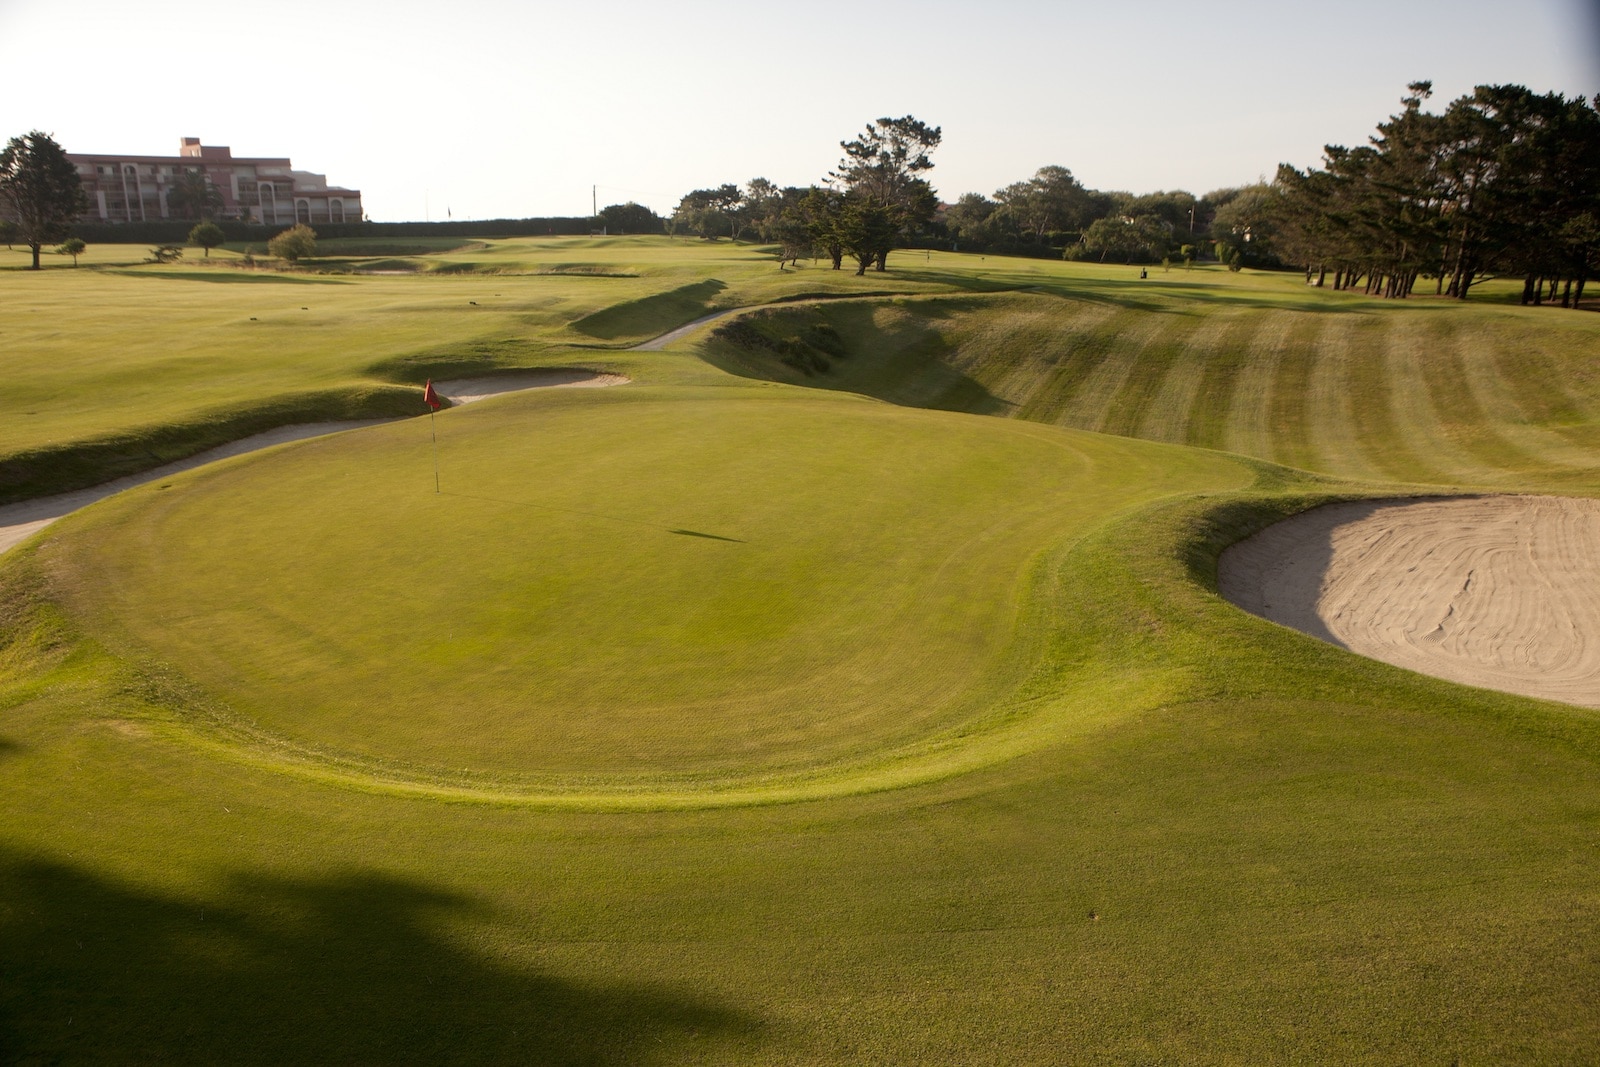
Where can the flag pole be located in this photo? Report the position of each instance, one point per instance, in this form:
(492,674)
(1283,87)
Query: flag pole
(430,398)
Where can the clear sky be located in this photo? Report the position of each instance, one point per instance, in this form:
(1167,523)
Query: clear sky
(495,109)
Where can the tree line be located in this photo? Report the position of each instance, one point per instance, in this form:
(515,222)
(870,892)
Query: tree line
(878,197)
(1504,181)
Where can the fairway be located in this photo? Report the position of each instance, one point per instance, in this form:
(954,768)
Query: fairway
(850,686)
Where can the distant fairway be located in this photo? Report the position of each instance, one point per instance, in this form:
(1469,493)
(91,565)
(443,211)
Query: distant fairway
(120,366)
(740,714)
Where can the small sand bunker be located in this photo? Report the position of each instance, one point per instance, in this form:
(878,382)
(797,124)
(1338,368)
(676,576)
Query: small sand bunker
(1500,592)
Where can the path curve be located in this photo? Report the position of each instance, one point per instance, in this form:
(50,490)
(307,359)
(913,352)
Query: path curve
(656,344)
(1501,592)
(25,518)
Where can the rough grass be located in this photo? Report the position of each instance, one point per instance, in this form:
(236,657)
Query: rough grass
(1169,832)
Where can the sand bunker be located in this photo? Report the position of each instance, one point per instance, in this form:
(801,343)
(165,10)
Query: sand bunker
(1500,592)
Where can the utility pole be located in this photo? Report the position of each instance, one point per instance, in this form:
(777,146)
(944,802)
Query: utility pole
(594,200)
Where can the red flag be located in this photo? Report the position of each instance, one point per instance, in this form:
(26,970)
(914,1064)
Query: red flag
(431,398)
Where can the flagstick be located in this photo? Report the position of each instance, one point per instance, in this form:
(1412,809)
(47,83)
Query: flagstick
(435,431)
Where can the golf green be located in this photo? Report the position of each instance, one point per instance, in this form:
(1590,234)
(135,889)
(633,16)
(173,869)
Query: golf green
(640,586)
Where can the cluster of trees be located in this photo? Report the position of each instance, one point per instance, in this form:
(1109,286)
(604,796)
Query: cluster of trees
(1052,213)
(1504,180)
(629,218)
(877,197)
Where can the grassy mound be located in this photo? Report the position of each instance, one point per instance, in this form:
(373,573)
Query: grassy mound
(650,587)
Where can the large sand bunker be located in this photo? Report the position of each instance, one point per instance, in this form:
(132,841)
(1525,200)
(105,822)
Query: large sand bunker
(1500,592)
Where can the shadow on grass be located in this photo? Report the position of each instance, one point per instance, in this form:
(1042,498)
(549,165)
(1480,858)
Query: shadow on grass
(229,275)
(708,536)
(651,315)
(1201,297)
(903,360)
(349,968)
(592,515)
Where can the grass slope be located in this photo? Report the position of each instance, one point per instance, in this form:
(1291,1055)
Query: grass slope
(121,367)
(1098,815)
(1425,391)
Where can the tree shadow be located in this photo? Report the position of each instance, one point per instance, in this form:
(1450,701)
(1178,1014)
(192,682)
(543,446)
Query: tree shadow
(1142,295)
(351,968)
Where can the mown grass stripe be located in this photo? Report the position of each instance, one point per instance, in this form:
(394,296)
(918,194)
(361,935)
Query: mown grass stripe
(1291,392)
(1126,338)
(1142,385)
(1332,430)
(1019,354)
(1250,430)
(1412,346)
(1499,399)
(1571,385)
(1221,364)
(1168,414)
(1461,416)
(1379,425)
(1065,330)
(1073,359)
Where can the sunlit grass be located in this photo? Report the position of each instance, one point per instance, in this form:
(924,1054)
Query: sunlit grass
(716,720)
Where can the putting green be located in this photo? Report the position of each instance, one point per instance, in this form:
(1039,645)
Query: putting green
(654,587)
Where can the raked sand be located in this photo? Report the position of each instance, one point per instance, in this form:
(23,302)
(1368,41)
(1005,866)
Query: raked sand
(1501,592)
